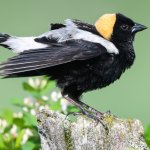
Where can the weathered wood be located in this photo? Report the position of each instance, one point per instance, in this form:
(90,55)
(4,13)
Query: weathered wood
(58,133)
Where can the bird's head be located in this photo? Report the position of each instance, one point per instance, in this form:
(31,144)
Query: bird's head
(118,27)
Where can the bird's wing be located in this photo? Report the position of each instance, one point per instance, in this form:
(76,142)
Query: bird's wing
(75,30)
(85,26)
(55,26)
(71,30)
(78,23)
(56,54)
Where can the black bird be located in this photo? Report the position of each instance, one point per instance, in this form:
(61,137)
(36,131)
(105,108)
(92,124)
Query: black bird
(80,57)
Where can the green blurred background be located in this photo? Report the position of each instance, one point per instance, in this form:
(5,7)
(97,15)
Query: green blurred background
(130,96)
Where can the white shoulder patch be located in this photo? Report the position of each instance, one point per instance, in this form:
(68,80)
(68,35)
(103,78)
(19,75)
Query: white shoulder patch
(88,36)
(70,24)
(72,32)
(20,44)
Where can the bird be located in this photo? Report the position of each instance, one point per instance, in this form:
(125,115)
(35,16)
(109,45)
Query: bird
(79,56)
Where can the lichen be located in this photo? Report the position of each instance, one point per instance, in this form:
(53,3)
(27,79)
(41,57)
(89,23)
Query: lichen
(130,122)
(85,133)
(68,138)
(109,119)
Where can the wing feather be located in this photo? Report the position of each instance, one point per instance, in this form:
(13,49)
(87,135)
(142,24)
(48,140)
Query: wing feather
(54,55)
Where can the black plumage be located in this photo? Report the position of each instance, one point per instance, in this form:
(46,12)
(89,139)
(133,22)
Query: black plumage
(3,38)
(78,65)
(85,26)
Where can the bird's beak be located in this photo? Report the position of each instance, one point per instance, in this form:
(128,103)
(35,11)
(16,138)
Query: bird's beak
(138,27)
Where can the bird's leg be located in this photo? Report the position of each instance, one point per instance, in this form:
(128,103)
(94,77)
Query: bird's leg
(91,109)
(73,102)
(83,107)
(99,115)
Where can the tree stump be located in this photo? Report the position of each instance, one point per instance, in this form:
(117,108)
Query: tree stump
(58,133)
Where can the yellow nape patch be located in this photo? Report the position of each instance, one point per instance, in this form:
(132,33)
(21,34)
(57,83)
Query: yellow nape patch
(105,25)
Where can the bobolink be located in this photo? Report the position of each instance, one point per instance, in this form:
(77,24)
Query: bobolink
(80,57)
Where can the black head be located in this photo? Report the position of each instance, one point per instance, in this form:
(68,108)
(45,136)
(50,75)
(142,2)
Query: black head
(121,31)
(117,27)
(125,29)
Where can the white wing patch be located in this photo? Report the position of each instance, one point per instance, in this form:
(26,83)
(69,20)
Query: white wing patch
(20,44)
(70,32)
(88,36)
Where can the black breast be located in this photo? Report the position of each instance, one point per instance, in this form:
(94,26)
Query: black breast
(82,76)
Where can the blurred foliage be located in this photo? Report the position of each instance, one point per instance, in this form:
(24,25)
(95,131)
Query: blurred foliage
(18,129)
(147,135)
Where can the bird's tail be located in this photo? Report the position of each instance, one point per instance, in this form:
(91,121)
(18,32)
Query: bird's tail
(3,38)
(20,44)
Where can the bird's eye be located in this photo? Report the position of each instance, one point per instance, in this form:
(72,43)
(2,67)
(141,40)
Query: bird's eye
(124,27)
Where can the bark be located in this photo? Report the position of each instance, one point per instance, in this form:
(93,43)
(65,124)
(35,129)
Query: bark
(58,133)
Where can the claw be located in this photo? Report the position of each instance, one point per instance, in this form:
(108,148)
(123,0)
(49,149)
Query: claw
(88,111)
(73,113)
(98,118)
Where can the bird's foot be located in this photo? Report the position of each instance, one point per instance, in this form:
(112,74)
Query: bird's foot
(92,110)
(73,113)
(98,117)
(89,111)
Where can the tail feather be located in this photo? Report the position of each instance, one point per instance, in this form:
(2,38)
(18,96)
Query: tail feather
(31,63)
(8,71)
(28,73)
(3,37)
(19,44)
